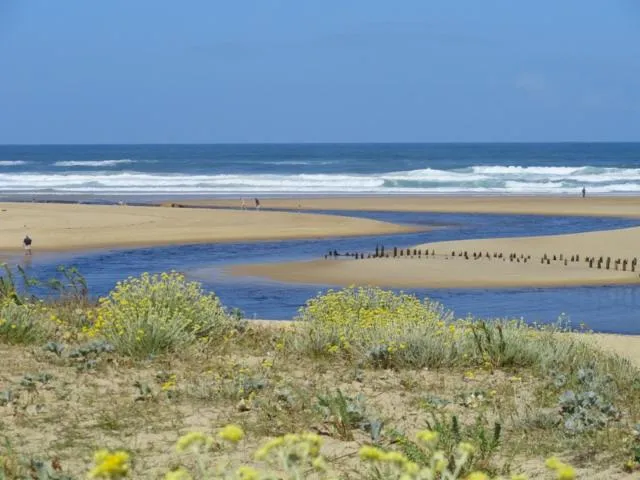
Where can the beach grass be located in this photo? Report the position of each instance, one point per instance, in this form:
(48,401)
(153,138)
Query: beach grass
(364,384)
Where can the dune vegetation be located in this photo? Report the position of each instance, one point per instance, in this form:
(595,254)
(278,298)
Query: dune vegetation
(159,380)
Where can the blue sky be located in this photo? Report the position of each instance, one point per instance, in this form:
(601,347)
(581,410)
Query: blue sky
(207,71)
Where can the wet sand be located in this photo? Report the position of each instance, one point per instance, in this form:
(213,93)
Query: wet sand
(628,206)
(445,270)
(67,227)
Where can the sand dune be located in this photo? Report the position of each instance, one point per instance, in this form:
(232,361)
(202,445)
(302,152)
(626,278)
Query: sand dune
(624,345)
(538,205)
(447,271)
(57,227)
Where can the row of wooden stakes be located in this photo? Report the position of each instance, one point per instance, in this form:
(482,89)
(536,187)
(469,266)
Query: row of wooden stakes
(600,263)
(382,253)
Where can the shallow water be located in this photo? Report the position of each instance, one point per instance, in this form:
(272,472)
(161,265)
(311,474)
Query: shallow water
(606,309)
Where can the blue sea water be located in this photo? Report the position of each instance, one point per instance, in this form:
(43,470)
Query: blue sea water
(190,170)
(162,171)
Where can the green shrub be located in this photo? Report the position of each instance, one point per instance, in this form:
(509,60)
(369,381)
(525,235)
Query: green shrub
(159,313)
(385,329)
(369,323)
(23,323)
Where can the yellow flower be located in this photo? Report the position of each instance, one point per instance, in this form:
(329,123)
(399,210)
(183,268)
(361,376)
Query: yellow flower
(566,472)
(477,476)
(110,464)
(394,457)
(466,448)
(371,453)
(272,444)
(179,474)
(231,433)
(319,464)
(247,473)
(411,468)
(427,436)
(439,461)
(553,463)
(169,384)
(192,439)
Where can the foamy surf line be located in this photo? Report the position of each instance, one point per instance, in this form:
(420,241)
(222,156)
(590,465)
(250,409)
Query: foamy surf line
(508,180)
(11,163)
(92,163)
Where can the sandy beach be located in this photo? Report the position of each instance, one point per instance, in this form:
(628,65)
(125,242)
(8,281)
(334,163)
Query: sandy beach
(445,270)
(66,227)
(627,206)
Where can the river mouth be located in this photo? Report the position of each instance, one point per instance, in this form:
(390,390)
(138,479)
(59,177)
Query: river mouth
(610,309)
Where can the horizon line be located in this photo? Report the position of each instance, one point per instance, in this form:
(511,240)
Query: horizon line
(146,144)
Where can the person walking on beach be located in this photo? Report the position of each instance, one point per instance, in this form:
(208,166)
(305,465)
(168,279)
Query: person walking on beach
(257,203)
(243,205)
(584,192)
(27,245)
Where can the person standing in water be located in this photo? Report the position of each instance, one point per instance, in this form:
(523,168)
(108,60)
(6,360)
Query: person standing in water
(584,192)
(27,245)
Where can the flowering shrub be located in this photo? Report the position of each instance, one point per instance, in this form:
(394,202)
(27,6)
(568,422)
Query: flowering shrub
(23,323)
(157,313)
(398,330)
(369,322)
(298,456)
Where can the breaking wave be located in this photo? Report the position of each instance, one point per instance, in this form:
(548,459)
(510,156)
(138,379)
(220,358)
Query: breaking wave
(475,179)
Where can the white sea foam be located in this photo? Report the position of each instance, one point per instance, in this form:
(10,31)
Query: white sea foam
(517,170)
(11,163)
(478,179)
(92,163)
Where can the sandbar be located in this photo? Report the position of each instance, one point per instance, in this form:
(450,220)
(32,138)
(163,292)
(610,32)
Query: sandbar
(444,270)
(66,227)
(602,206)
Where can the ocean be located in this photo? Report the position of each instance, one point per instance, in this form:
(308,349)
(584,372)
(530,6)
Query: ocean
(225,170)
(157,172)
